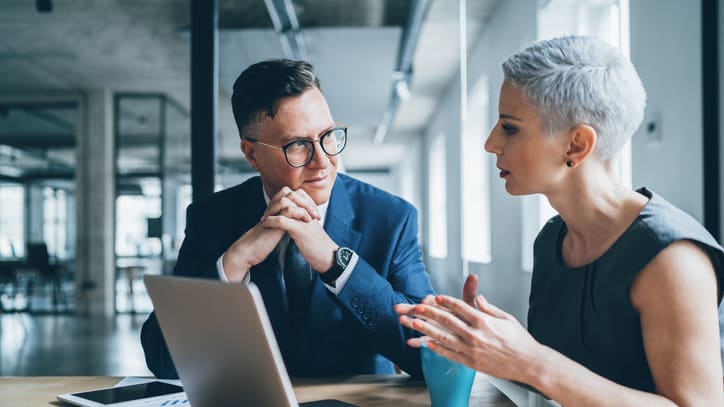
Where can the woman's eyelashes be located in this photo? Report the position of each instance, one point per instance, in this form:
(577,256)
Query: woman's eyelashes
(508,129)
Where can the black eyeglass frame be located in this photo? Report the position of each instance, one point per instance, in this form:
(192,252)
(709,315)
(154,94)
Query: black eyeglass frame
(309,141)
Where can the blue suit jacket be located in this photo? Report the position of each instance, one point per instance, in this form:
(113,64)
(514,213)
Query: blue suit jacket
(344,334)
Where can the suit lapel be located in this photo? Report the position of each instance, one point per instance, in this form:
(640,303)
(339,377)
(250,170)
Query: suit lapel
(340,216)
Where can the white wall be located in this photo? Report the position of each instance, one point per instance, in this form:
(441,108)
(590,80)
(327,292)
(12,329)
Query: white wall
(512,26)
(666,50)
(503,281)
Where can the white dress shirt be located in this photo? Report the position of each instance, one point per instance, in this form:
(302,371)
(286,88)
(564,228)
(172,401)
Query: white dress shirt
(281,248)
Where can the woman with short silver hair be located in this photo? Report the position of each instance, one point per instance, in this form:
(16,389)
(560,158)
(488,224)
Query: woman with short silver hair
(625,286)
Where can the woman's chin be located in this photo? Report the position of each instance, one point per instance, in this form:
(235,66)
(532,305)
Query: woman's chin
(512,190)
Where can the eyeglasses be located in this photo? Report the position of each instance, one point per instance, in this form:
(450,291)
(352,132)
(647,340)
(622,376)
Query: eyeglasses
(300,152)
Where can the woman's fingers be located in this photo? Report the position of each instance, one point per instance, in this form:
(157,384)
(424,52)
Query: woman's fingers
(469,289)
(460,357)
(439,324)
(419,341)
(459,308)
(485,306)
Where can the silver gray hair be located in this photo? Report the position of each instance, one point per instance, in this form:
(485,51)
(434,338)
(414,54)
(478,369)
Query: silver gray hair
(581,80)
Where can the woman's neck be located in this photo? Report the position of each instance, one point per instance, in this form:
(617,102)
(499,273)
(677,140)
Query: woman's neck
(597,211)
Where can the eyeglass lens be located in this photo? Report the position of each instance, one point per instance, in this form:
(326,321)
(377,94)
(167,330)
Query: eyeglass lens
(300,152)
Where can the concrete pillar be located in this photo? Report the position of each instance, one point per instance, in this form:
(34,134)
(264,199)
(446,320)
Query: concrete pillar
(95,192)
(70,228)
(34,206)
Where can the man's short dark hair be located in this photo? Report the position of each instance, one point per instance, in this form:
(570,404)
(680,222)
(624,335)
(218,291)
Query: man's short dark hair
(259,89)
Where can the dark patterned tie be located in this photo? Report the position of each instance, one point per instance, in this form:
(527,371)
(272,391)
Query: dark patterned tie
(298,278)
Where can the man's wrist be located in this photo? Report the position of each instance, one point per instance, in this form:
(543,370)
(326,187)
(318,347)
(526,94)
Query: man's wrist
(340,262)
(234,270)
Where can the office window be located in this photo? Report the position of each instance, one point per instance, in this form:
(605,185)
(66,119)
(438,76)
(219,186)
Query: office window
(476,178)
(12,216)
(604,19)
(54,222)
(437,216)
(132,213)
(183,200)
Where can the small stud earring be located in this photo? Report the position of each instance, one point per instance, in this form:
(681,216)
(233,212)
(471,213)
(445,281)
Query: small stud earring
(569,164)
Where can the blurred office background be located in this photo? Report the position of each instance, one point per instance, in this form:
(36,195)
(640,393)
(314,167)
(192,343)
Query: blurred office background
(96,111)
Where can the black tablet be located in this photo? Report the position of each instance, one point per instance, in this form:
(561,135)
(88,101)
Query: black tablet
(127,395)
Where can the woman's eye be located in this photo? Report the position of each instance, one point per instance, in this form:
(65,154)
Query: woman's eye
(508,129)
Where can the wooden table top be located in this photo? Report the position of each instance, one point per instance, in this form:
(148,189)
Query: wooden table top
(363,391)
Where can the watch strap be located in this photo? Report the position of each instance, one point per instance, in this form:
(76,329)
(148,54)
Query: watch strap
(335,271)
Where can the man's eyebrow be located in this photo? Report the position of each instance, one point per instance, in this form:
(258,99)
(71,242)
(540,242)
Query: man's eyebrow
(288,138)
(510,117)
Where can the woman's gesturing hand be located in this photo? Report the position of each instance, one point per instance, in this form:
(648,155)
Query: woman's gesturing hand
(487,339)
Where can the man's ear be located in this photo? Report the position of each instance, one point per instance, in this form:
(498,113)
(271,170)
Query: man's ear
(582,141)
(249,150)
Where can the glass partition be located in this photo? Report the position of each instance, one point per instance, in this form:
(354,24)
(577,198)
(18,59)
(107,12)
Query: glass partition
(152,161)
(37,206)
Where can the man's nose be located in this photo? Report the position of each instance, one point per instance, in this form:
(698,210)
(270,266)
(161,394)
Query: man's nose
(319,158)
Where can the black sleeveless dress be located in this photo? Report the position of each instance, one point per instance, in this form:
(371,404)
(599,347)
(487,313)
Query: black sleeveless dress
(586,312)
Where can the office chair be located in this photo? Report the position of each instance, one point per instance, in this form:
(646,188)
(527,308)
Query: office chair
(38,259)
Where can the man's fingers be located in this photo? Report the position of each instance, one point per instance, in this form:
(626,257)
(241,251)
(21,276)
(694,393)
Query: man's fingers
(279,222)
(296,212)
(286,198)
(302,199)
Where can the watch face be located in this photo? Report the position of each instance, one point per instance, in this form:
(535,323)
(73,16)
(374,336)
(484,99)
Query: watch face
(344,255)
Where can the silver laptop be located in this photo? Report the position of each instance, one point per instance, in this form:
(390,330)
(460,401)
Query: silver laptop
(222,343)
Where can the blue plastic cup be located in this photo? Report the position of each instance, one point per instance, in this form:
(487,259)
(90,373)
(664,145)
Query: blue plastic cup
(449,383)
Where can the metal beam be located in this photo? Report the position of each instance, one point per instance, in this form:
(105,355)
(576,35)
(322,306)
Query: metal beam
(40,141)
(403,72)
(711,123)
(286,24)
(204,98)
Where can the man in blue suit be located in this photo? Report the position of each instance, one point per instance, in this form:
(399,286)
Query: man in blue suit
(330,254)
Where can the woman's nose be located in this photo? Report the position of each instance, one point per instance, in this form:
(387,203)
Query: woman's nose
(491,144)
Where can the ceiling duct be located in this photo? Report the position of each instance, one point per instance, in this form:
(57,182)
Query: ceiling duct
(44,6)
(403,72)
(286,24)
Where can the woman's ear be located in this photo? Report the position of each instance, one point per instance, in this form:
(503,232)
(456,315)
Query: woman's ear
(247,147)
(582,141)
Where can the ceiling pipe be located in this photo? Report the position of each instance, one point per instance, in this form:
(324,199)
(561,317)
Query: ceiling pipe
(403,72)
(286,25)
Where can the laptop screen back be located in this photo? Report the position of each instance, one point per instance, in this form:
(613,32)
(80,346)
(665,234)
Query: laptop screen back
(221,342)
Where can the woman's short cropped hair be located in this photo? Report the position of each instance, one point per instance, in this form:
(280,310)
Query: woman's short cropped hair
(581,80)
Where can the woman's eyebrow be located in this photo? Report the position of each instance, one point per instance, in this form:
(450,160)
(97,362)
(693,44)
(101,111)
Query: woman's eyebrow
(510,117)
